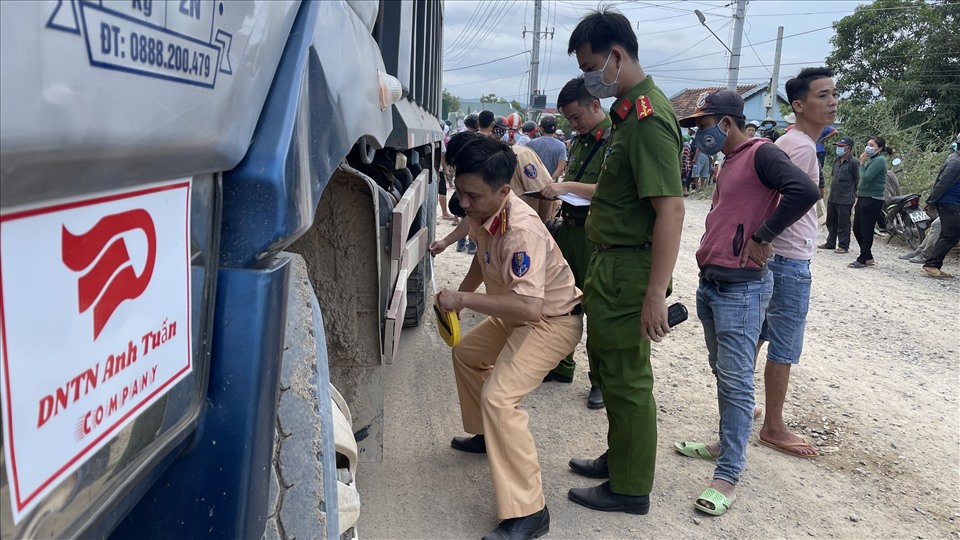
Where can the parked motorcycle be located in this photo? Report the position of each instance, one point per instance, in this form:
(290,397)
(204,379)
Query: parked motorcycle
(906,219)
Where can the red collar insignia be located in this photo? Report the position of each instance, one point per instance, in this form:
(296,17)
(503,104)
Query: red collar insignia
(644,107)
(499,223)
(624,108)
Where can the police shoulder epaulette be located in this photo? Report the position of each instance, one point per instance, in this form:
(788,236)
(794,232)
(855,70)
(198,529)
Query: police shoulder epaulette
(644,107)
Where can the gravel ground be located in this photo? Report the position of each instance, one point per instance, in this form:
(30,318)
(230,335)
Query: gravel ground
(877,390)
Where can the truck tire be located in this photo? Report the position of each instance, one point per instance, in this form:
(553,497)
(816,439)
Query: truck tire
(416,296)
(416,284)
(297,506)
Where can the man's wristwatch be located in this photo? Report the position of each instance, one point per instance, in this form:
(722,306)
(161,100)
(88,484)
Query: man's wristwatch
(758,240)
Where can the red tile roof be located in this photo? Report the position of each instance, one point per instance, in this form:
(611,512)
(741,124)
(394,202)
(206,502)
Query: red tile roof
(686,101)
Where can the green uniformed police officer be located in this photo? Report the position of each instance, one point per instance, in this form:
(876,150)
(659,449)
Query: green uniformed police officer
(635,221)
(587,117)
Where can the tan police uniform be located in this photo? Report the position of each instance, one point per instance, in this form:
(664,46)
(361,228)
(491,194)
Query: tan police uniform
(501,360)
(530,175)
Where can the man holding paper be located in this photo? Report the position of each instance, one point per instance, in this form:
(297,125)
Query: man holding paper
(586,116)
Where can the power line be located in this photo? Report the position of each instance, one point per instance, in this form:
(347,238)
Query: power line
(472,28)
(932,6)
(755,53)
(546,73)
(470,44)
(482,39)
(665,61)
(485,63)
(486,79)
(469,24)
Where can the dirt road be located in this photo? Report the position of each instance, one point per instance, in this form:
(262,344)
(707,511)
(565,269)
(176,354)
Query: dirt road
(877,389)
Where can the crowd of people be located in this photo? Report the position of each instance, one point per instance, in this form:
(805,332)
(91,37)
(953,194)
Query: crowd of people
(544,266)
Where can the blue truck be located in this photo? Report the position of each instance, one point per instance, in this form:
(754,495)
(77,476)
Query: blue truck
(214,218)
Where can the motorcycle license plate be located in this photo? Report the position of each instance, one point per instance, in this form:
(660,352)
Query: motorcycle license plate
(918,215)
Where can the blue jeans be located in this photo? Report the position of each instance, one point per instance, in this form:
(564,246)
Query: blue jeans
(731,314)
(787,313)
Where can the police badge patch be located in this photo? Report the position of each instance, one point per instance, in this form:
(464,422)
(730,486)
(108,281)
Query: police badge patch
(520,263)
(530,170)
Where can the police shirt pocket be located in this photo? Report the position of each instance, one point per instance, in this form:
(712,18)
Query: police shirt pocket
(611,166)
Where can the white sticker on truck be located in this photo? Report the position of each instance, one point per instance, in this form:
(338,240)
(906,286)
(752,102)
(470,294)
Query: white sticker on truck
(95,326)
(174,40)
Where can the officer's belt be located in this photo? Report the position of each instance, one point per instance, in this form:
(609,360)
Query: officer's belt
(615,247)
(577,310)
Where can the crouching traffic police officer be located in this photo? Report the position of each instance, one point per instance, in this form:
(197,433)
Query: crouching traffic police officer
(534,318)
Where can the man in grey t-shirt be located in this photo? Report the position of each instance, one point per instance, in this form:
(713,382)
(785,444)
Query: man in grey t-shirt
(552,152)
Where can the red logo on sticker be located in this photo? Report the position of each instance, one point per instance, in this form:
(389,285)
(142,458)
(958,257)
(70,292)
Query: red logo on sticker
(101,255)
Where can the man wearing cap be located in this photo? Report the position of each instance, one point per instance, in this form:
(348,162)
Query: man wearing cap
(534,316)
(843,193)
(552,152)
(528,132)
(752,127)
(635,221)
(760,192)
(813,98)
(587,118)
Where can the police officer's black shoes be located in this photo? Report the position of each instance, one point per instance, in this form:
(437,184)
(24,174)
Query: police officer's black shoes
(474,445)
(591,468)
(601,498)
(556,377)
(522,528)
(595,399)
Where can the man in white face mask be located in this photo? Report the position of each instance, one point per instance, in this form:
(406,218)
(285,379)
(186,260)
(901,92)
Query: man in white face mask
(635,220)
(843,193)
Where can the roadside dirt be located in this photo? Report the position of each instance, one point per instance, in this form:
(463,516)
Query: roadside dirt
(877,390)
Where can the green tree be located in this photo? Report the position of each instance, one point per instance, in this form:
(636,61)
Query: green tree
(451,103)
(905,53)
(516,106)
(492,98)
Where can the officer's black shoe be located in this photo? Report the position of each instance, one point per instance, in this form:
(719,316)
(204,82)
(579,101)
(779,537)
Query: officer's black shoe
(556,377)
(522,528)
(591,468)
(601,498)
(474,445)
(595,399)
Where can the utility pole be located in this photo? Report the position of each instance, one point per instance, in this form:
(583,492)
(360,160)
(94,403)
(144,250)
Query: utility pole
(535,59)
(734,71)
(534,89)
(775,78)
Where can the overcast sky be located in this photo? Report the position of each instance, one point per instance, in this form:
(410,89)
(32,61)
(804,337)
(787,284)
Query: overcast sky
(674,47)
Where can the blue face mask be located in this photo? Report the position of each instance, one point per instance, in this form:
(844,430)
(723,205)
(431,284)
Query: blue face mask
(954,145)
(870,151)
(711,139)
(841,150)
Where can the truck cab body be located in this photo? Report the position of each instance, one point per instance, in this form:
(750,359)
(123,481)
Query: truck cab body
(189,191)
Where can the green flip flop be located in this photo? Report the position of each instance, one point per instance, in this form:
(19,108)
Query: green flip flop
(694,450)
(719,501)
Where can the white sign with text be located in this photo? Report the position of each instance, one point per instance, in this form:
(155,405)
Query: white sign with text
(95,326)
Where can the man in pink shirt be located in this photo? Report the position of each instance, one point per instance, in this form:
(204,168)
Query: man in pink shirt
(813,97)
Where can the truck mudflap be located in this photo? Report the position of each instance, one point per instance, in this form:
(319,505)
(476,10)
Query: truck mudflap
(407,252)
